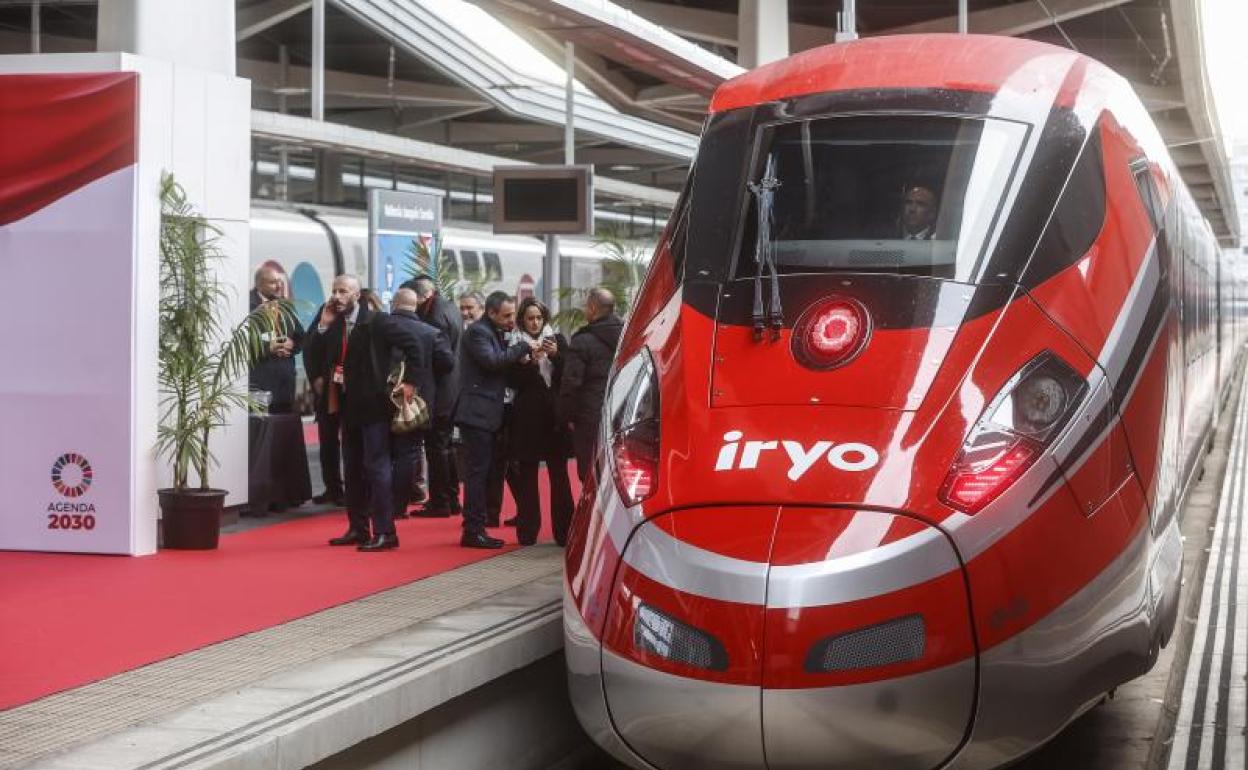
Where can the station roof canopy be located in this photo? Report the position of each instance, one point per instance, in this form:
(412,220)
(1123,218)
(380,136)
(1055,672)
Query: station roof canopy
(1156,46)
(486,77)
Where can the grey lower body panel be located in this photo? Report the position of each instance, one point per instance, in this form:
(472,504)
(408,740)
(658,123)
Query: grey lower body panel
(1035,683)
(675,722)
(908,723)
(583,654)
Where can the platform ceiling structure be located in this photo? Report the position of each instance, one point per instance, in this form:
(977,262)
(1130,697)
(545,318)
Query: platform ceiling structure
(1155,44)
(418,88)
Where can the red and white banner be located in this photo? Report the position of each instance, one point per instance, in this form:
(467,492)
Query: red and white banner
(68,253)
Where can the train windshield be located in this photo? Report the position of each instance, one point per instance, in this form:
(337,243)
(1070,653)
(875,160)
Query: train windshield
(907,194)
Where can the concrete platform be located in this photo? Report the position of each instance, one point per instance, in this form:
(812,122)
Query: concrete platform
(294,694)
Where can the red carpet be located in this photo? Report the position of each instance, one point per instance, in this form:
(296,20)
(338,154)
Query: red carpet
(72,619)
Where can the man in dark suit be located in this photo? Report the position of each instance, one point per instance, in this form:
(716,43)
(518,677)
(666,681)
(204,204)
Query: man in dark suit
(586,371)
(275,371)
(484,360)
(358,345)
(327,424)
(441,314)
(436,364)
(919,206)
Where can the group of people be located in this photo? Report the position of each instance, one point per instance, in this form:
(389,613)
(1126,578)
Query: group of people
(519,394)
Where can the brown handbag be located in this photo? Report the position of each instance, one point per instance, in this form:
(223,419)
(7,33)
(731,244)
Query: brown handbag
(408,415)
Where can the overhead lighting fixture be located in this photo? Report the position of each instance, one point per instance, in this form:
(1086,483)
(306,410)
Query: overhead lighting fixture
(625,167)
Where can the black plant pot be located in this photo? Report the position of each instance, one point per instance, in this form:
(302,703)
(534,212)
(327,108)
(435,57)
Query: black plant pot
(190,519)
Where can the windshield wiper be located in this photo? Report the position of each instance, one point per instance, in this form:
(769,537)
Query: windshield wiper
(764,255)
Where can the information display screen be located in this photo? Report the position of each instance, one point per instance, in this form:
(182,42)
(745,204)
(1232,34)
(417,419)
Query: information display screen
(543,200)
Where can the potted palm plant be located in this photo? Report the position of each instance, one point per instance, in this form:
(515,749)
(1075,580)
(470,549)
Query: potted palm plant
(201,364)
(623,271)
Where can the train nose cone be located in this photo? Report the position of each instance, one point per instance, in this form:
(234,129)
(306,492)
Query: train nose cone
(788,638)
(869,658)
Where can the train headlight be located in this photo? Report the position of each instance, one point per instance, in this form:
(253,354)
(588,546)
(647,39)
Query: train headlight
(658,633)
(1019,423)
(830,333)
(632,428)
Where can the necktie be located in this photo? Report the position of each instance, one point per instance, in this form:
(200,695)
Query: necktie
(339,383)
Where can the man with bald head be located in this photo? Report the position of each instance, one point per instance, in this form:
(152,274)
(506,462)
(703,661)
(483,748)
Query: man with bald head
(440,313)
(358,346)
(586,369)
(275,370)
(435,367)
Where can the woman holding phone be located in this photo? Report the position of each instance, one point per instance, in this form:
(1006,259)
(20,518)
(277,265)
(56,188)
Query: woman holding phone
(533,435)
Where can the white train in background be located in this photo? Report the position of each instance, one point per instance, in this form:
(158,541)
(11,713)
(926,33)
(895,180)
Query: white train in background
(313,244)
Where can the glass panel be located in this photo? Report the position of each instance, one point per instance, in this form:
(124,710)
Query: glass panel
(917,195)
(472,265)
(493,266)
(452,263)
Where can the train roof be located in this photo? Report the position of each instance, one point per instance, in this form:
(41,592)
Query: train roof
(353,223)
(981,63)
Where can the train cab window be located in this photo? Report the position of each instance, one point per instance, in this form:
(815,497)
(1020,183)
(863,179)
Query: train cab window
(917,195)
(452,264)
(472,265)
(1147,188)
(493,266)
(1077,218)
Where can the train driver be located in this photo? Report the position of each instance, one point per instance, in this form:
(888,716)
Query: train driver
(918,213)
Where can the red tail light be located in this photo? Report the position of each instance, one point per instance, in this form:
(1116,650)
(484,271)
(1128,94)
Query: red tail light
(636,455)
(1019,423)
(632,426)
(971,487)
(831,333)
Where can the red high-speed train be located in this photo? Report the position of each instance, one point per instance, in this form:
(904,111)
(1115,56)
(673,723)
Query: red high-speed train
(891,459)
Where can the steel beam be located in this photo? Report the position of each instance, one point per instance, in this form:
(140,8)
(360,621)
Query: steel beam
(256,19)
(718,27)
(1014,19)
(268,76)
(315,134)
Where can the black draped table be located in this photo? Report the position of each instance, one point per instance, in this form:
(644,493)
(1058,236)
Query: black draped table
(277,462)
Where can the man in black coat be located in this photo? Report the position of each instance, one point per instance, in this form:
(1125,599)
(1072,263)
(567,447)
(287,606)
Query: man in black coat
(356,345)
(328,425)
(436,364)
(275,371)
(441,314)
(484,361)
(586,370)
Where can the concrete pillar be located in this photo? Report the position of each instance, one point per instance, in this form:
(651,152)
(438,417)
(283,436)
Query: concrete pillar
(191,33)
(318,59)
(329,178)
(199,116)
(762,32)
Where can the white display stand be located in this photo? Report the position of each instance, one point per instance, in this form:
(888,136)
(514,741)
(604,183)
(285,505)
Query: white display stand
(80,389)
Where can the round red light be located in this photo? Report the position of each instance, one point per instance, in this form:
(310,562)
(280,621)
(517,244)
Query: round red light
(830,333)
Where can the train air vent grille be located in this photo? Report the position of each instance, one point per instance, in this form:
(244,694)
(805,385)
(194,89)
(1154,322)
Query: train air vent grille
(894,641)
(877,258)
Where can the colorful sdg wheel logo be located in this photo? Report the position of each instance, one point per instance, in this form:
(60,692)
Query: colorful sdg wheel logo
(71,475)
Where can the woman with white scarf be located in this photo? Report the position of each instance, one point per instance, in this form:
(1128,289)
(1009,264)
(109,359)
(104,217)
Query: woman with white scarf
(532,435)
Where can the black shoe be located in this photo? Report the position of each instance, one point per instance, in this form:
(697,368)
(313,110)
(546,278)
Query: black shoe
(329,497)
(350,537)
(432,513)
(380,543)
(511,522)
(479,540)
